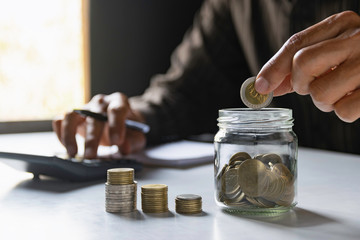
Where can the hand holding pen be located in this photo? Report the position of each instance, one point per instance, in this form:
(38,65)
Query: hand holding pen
(112,127)
(142,127)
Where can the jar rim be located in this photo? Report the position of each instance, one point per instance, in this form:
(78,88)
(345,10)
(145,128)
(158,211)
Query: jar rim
(247,118)
(263,110)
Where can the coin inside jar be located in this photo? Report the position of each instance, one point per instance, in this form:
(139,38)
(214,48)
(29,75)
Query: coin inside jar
(230,183)
(269,159)
(263,181)
(282,170)
(275,188)
(251,177)
(239,157)
(251,98)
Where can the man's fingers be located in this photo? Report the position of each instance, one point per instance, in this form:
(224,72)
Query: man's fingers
(56,125)
(285,87)
(309,63)
(117,111)
(94,130)
(134,142)
(348,108)
(68,132)
(97,104)
(279,66)
(329,88)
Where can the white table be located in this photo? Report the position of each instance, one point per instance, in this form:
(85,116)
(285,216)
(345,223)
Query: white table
(328,194)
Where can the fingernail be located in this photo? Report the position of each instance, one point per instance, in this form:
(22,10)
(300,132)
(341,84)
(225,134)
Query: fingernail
(261,85)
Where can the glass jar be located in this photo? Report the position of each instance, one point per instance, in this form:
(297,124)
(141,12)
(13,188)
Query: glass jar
(256,161)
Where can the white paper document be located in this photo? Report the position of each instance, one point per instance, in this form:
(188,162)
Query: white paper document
(177,154)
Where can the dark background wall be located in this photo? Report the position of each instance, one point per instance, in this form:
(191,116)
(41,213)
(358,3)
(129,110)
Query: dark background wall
(131,40)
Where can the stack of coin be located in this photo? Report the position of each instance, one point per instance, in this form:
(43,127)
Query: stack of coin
(188,204)
(154,198)
(120,190)
(120,176)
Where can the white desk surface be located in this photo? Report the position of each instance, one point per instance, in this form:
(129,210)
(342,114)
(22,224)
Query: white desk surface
(328,195)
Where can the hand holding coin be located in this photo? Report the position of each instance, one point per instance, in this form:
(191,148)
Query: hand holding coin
(321,61)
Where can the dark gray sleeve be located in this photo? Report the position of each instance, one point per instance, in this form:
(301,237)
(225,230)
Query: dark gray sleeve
(205,75)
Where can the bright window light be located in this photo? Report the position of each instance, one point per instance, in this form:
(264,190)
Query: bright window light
(41,58)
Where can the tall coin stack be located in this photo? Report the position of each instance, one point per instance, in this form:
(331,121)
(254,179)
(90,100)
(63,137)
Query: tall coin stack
(188,204)
(154,198)
(120,190)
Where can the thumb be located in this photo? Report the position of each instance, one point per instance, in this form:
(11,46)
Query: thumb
(273,74)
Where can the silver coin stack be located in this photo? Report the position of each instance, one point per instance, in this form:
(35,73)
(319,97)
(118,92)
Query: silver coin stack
(120,190)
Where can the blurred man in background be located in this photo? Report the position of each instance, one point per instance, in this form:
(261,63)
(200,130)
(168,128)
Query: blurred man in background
(314,52)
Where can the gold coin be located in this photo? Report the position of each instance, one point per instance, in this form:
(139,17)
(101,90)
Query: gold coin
(282,170)
(188,204)
(269,159)
(120,176)
(154,198)
(153,188)
(276,188)
(251,177)
(259,156)
(265,203)
(237,198)
(239,156)
(287,199)
(267,184)
(230,184)
(260,202)
(251,98)
(253,201)
(223,170)
(242,204)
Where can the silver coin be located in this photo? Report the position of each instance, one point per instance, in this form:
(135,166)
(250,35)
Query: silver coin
(116,210)
(121,194)
(120,199)
(111,187)
(120,207)
(120,187)
(123,202)
(187,197)
(131,206)
(124,191)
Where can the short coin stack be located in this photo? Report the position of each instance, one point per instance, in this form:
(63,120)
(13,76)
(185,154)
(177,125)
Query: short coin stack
(120,190)
(154,198)
(188,204)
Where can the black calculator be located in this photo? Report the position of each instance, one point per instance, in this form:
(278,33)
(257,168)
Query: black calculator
(70,169)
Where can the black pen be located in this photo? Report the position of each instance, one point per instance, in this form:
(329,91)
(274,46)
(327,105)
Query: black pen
(144,128)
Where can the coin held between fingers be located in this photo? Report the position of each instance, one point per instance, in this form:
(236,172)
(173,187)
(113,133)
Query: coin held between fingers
(251,98)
